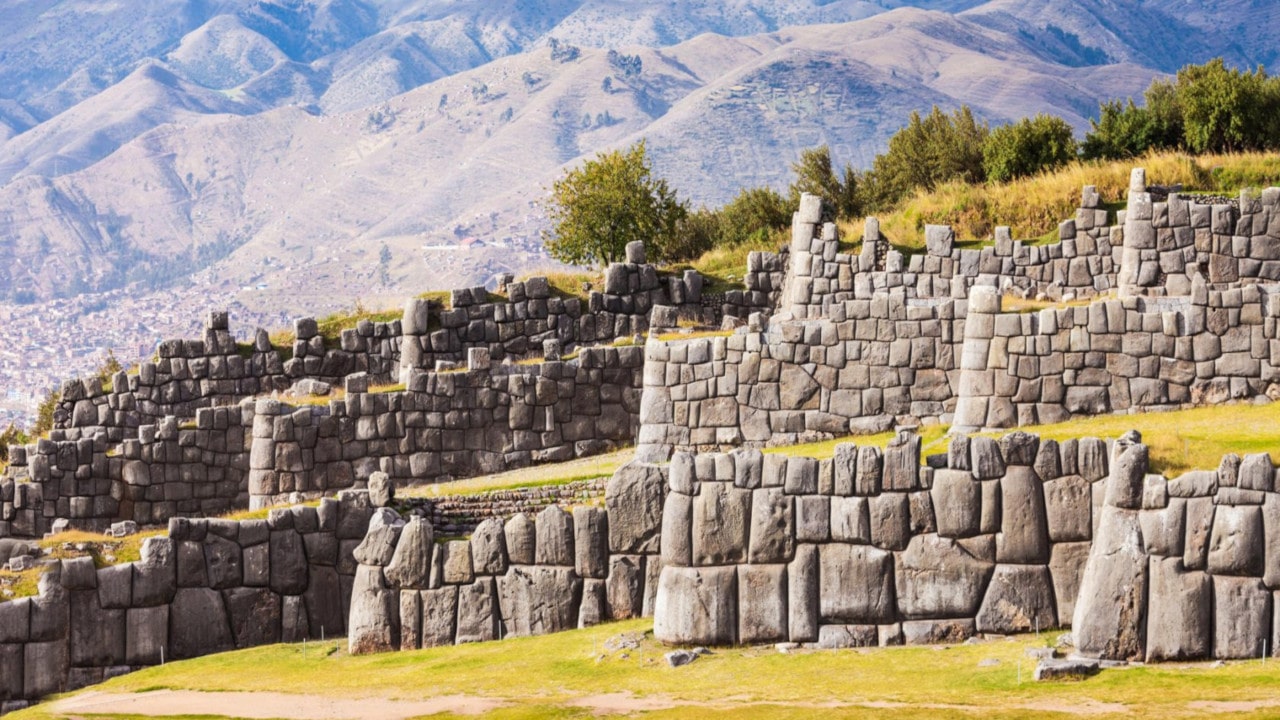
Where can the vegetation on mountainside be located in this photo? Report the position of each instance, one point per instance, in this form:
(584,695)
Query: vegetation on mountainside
(618,668)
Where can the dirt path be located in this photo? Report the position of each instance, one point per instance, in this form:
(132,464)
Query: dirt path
(267,705)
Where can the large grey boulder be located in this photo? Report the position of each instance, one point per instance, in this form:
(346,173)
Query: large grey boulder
(856,584)
(155,574)
(1066,566)
(410,566)
(554,528)
(591,542)
(850,520)
(957,503)
(1019,598)
(803,594)
(146,635)
(97,636)
(379,544)
(696,606)
(634,498)
(373,622)
(624,588)
(288,563)
(1108,622)
(772,538)
(198,624)
(1180,612)
(1199,525)
(594,608)
(1241,618)
(410,619)
(222,559)
(478,611)
(902,463)
(254,615)
(488,548)
(1236,543)
(1069,509)
(1024,531)
(890,514)
(44,668)
(521,539)
(1164,530)
(762,603)
(677,530)
(382,490)
(939,578)
(439,615)
(1128,474)
(538,600)
(721,523)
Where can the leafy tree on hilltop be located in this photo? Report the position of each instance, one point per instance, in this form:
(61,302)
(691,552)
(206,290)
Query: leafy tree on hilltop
(929,151)
(815,174)
(1225,110)
(1027,147)
(611,200)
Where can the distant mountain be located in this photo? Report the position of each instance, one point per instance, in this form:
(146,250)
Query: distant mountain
(278,144)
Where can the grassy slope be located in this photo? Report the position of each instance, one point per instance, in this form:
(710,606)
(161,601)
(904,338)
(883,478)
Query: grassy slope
(1179,440)
(1034,206)
(548,676)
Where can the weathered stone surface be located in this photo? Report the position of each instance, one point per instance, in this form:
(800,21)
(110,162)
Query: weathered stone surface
(146,634)
(326,612)
(939,578)
(538,600)
(957,503)
(1200,512)
(697,606)
(1235,544)
(593,609)
(382,490)
(591,542)
(839,637)
(1024,532)
(439,616)
(762,603)
(634,498)
(1059,669)
(410,566)
(521,539)
(1112,601)
(1179,613)
(1128,473)
(624,588)
(455,562)
(1241,618)
(937,632)
(1164,530)
(11,675)
(155,574)
(1271,540)
(478,611)
(378,546)
(856,584)
(803,592)
(1019,598)
(677,530)
(373,623)
(850,520)
(1066,566)
(554,529)
(488,548)
(772,537)
(721,523)
(890,515)
(410,620)
(97,636)
(902,463)
(44,668)
(1069,509)
(222,563)
(288,563)
(254,615)
(1256,473)
(198,623)
(985,459)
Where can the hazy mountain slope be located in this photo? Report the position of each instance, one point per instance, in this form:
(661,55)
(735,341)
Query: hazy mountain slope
(302,202)
(89,131)
(223,54)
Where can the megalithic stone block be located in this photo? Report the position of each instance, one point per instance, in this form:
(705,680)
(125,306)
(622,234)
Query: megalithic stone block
(1110,611)
(1180,616)
(697,606)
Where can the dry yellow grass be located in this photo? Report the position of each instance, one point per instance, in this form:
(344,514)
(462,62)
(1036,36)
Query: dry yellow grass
(1034,206)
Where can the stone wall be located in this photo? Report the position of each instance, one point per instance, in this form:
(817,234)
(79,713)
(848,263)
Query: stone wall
(1187,569)
(206,587)
(1117,355)
(535,314)
(449,424)
(168,470)
(872,548)
(527,576)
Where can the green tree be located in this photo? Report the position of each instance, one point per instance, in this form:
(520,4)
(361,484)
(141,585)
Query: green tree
(754,215)
(1124,130)
(44,414)
(930,150)
(1224,109)
(607,202)
(1027,147)
(815,174)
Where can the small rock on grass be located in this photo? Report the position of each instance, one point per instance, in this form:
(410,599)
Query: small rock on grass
(1042,653)
(989,662)
(1071,669)
(677,658)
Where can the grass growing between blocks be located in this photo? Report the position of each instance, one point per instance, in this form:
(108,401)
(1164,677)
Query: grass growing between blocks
(1179,440)
(571,674)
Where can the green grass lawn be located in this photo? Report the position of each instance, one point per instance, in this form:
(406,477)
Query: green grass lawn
(564,676)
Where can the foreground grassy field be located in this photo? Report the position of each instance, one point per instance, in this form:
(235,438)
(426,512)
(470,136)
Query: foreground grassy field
(570,675)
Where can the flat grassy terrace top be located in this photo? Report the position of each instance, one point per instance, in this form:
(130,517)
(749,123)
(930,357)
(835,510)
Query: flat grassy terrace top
(573,675)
